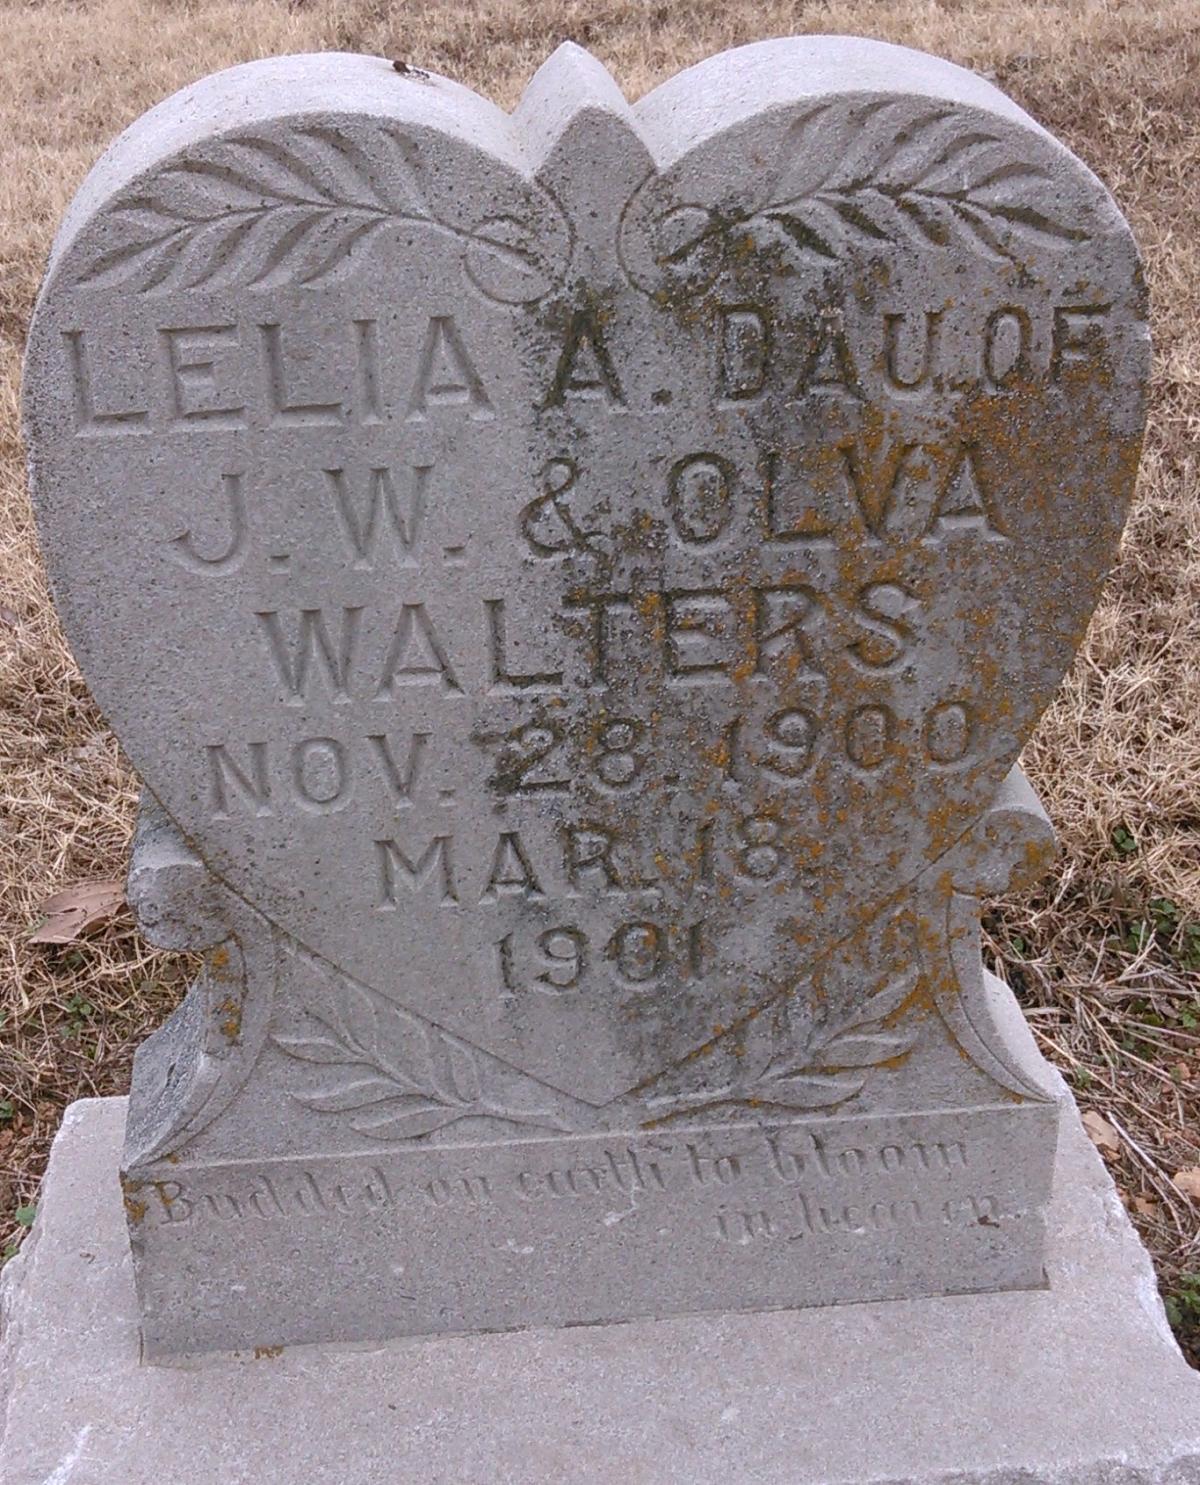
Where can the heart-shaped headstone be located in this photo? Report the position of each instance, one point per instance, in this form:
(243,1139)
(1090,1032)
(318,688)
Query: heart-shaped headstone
(570,571)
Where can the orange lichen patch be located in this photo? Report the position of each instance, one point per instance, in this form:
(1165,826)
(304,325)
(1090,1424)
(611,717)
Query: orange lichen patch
(719,754)
(267,1353)
(166,1197)
(221,965)
(231,1026)
(135,1206)
(945,823)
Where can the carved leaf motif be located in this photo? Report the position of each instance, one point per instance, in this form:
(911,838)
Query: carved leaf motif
(336,156)
(404,170)
(312,1048)
(813,147)
(864,136)
(149,261)
(262,212)
(1030,222)
(888,998)
(864,175)
(801,1090)
(910,148)
(503,261)
(947,170)
(838,1057)
(266,168)
(805,237)
(352,1093)
(397,1076)
(419,1117)
(864,1049)
(457,1069)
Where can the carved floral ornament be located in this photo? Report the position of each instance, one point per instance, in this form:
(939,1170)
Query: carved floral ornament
(304,207)
(854,175)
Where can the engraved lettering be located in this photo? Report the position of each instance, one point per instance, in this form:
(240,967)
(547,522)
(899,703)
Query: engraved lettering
(89,420)
(743,1228)
(744,353)
(416,655)
(1078,334)
(363,520)
(758,856)
(229,557)
(615,760)
(396,868)
(721,1170)
(791,738)
(882,609)
(963,502)
(807,529)
(366,339)
(1007,345)
(520,760)
(284,412)
(547,523)
(782,617)
(700,498)
(251,783)
(176,1206)
(500,676)
(585,370)
(638,952)
(588,851)
(400,782)
(600,610)
(948,733)
(565,953)
(876,487)
(319,775)
(908,369)
(512,872)
(446,375)
(869,734)
(192,357)
(698,634)
(294,660)
(830,369)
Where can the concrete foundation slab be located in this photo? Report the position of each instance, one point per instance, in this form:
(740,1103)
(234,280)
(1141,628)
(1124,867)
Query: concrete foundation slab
(1080,1381)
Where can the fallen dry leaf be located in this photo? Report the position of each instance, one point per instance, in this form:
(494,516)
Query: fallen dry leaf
(1102,1134)
(1144,1206)
(1188,1181)
(76,910)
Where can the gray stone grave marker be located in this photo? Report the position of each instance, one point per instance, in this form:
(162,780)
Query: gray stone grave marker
(575,587)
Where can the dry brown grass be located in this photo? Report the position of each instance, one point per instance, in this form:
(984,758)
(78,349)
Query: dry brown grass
(1106,954)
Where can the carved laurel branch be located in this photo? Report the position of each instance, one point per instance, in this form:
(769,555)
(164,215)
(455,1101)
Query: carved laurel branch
(832,1068)
(838,1062)
(260,213)
(873,174)
(398,1076)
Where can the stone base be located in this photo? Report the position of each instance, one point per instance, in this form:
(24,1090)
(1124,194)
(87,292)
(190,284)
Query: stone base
(1080,1381)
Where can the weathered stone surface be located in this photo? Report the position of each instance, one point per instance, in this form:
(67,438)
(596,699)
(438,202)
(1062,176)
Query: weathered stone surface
(575,586)
(1079,1383)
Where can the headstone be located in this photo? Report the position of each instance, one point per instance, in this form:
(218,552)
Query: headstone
(575,587)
